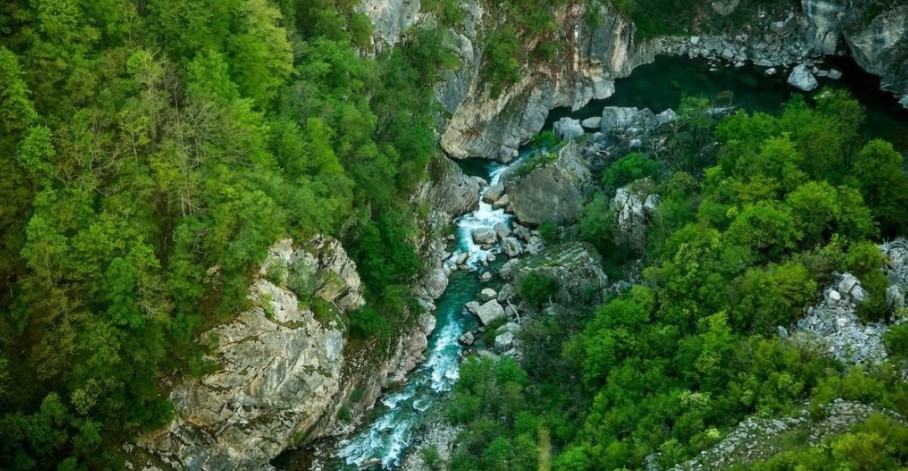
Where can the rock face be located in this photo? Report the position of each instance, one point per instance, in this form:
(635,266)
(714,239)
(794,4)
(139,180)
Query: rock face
(551,192)
(449,190)
(757,439)
(824,18)
(482,125)
(390,18)
(576,266)
(881,47)
(632,215)
(279,367)
(802,79)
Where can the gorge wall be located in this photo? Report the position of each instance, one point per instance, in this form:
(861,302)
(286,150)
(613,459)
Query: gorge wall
(590,59)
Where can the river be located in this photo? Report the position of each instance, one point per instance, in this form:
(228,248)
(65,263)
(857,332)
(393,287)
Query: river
(384,441)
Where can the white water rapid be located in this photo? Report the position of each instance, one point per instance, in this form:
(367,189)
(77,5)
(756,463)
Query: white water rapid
(383,443)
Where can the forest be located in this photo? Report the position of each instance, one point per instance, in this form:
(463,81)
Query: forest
(748,233)
(153,151)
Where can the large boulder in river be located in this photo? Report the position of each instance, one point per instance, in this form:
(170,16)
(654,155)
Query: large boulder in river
(577,268)
(544,189)
(802,79)
(484,235)
(630,119)
(568,128)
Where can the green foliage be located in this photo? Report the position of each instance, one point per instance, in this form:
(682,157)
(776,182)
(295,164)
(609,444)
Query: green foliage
(155,151)
(742,242)
(537,288)
(627,169)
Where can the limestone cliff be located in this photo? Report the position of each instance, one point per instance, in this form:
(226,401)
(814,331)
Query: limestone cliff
(478,124)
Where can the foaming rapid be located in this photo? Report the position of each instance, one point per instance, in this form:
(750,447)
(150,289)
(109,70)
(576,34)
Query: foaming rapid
(383,444)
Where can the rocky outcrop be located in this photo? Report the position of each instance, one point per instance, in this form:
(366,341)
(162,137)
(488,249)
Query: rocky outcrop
(488,126)
(633,212)
(542,191)
(390,18)
(824,19)
(449,190)
(881,47)
(757,439)
(835,326)
(279,366)
(577,268)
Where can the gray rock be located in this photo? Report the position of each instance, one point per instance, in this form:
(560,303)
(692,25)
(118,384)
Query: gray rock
(577,268)
(493,193)
(507,293)
(502,202)
(504,341)
(436,283)
(484,236)
(594,123)
(490,312)
(472,307)
(486,277)
(511,247)
(568,128)
(501,230)
(487,294)
(550,193)
(835,74)
(467,339)
(453,192)
(802,79)
(631,218)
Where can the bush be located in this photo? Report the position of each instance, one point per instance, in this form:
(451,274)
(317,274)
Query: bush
(627,169)
(537,288)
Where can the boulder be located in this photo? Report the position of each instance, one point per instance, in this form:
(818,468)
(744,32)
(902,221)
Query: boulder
(504,341)
(632,217)
(568,128)
(484,236)
(593,124)
(502,202)
(507,293)
(577,267)
(725,7)
(501,230)
(553,192)
(467,339)
(487,294)
(511,247)
(450,191)
(436,283)
(486,277)
(802,79)
(824,18)
(493,193)
(835,74)
(472,307)
(490,312)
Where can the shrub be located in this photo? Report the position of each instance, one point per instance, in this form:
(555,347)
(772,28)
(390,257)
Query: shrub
(628,169)
(536,288)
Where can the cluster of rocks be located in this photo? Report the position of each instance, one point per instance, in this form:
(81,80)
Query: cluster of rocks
(756,439)
(835,324)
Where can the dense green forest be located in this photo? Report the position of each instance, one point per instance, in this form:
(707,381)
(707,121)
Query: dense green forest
(748,232)
(153,151)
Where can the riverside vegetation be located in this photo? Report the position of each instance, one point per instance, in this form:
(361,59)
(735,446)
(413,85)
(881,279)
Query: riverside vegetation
(757,213)
(153,151)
